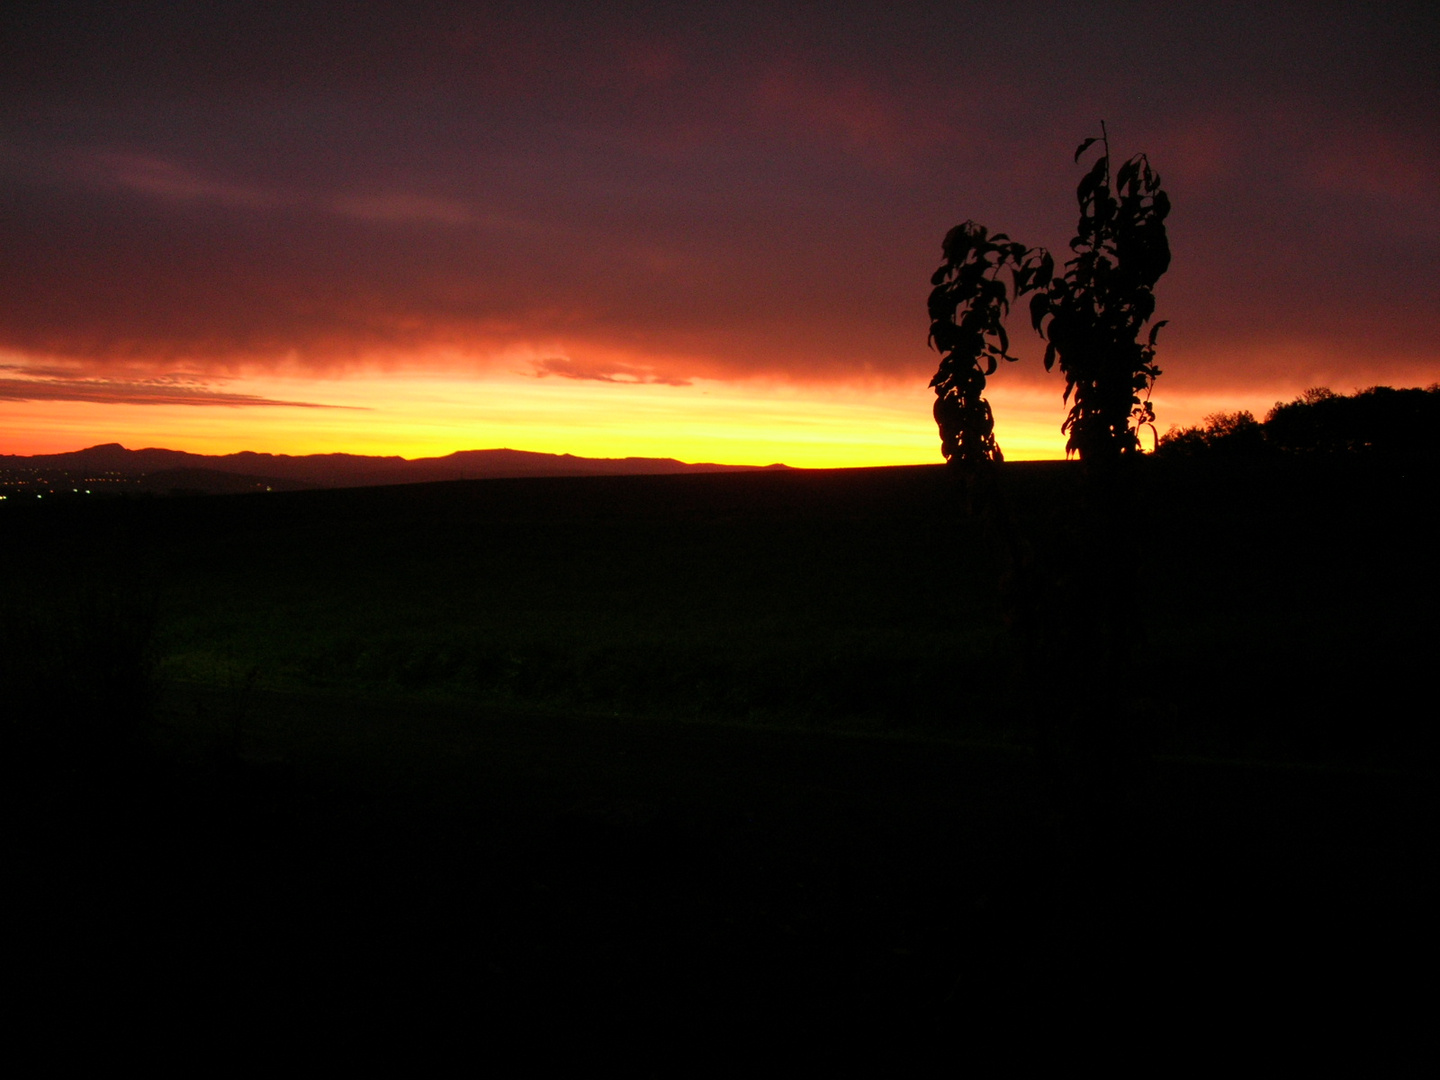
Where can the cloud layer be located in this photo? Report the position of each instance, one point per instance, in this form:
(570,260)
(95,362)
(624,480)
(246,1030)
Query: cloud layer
(20,382)
(716,194)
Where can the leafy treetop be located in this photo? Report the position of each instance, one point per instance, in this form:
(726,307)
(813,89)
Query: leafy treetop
(1092,314)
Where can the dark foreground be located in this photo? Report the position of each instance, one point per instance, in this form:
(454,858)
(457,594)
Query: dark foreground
(618,889)
(577,865)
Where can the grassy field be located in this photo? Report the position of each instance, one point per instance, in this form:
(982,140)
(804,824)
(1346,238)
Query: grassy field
(714,754)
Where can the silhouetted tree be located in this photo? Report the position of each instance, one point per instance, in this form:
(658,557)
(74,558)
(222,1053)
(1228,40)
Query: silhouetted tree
(967,305)
(1378,422)
(1070,588)
(1092,315)
(1226,435)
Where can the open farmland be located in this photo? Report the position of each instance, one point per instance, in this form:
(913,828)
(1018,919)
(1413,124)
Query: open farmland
(745,750)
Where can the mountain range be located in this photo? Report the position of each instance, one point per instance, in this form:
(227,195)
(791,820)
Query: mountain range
(178,470)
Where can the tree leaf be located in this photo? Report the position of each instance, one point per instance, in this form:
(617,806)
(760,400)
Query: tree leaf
(1128,174)
(1092,181)
(1039,308)
(1085,146)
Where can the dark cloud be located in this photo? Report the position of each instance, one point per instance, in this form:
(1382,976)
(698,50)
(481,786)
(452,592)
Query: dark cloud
(736,191)
(52,384)
(599,372)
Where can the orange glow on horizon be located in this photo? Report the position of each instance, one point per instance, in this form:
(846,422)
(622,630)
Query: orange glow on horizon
(430,415)
(438,412)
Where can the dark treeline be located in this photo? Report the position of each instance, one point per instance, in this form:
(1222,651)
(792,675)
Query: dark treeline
(1380,421)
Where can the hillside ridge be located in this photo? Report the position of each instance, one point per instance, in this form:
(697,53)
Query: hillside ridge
(356,470)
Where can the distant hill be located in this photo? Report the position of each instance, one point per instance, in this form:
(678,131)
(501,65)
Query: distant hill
(249,471)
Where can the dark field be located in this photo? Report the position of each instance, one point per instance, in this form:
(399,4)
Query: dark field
(602,760)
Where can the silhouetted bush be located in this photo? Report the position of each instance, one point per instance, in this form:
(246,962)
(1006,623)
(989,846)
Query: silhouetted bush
(871,683)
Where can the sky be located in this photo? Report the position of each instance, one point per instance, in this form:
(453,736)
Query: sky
(706,233)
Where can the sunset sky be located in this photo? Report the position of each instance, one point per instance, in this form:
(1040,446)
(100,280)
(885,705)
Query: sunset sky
(618,230)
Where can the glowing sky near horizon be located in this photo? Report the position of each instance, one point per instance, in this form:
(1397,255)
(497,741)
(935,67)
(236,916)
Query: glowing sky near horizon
(701,234)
